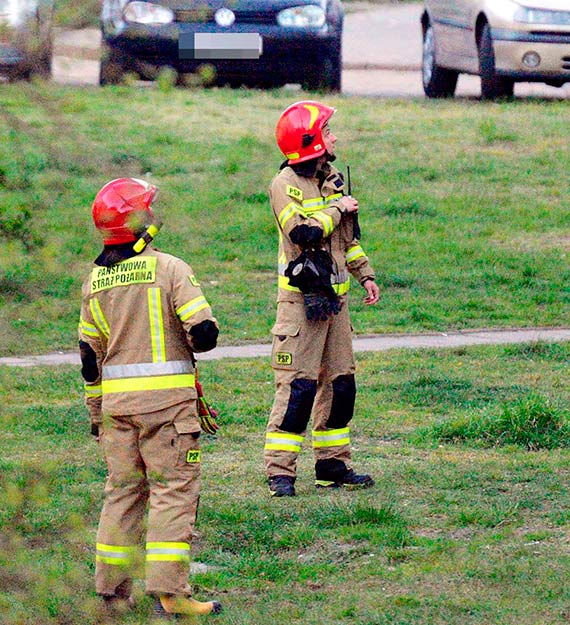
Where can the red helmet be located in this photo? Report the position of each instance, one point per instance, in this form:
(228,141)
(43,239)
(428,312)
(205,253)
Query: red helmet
(299,130)
(122,209)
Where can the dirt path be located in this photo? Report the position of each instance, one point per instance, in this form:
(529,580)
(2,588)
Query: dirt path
(381,342)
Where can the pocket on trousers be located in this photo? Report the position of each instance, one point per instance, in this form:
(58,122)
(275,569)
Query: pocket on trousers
(188,448)
(285,346)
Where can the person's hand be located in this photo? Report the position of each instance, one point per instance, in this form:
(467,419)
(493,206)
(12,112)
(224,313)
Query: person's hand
(372,292)
(349,204)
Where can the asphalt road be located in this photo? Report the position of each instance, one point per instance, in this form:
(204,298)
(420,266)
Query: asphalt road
(381,56)
(381,342)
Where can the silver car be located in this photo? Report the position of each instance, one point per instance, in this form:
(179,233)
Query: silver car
(501,40)
(26,38)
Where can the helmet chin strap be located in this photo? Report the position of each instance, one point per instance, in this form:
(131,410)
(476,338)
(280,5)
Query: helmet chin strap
(146,237)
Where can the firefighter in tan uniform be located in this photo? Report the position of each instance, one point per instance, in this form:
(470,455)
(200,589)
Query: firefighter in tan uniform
(312,353)
(143,316)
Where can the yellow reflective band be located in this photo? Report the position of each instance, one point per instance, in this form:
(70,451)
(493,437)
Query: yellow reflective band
(153,383)
(341,289)
(87,328)
(114,555)
(279,441)
(283,283)
(312,205)
(294,192)
(192,307)
(93,390)
(326,220)
(331,438)
(167,552)
(289,211)
(168,545)
(334,196)
(292,155)
(99,317)
(136,270)
(156,326)
(353,253)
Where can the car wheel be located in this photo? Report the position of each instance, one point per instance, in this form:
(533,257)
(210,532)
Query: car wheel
(438,82)
(111,70)
(492,85)
(326,75)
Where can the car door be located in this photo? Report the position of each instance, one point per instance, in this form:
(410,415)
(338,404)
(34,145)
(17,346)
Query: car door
(452,28)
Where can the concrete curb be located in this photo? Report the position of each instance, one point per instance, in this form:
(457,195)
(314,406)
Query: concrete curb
(382,342)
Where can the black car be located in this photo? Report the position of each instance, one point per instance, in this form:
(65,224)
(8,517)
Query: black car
(264,43)
(26,38)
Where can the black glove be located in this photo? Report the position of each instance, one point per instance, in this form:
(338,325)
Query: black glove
(318,307)
(311,273)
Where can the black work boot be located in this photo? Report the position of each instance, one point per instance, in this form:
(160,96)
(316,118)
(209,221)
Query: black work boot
(333,473)
(282,486)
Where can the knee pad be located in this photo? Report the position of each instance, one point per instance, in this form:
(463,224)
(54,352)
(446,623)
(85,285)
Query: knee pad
(344,396)
(300,406)
(331,470)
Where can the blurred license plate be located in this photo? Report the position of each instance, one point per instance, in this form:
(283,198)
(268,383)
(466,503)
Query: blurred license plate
(220,46)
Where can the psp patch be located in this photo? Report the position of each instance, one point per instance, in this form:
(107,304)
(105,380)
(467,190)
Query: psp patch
(193,456)
(284,358)
(295,193)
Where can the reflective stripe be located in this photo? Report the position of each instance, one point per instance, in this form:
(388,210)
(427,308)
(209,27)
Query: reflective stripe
(353,253)
(283,283)
(87,328)
(142,369)
(331,438)
(167,552)
(154,383)
(192,307)
(156,325)
(342,288)
(289,211)
(333,197)
(326,220)
(313,204)
(282,441)
(116,555)
(99,317)
(92,390)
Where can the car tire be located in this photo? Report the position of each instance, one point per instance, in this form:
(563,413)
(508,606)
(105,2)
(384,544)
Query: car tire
(326,75)
(111,69)
(438,82)
(493,86)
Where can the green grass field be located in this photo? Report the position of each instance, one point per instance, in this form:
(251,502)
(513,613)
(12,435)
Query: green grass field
(464,527)
(464,204)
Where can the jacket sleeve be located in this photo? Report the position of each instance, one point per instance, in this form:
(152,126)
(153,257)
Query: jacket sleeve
(91,352)
(286,202)
(193,310)
(358,263)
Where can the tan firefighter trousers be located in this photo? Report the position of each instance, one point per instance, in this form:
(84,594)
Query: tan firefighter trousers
(313,363)
(151,458)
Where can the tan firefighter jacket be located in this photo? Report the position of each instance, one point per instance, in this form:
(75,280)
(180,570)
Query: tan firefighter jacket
(297,200)
(145,360)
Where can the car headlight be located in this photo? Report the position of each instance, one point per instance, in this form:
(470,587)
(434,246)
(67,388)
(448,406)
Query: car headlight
(147,13)
(307,16)
(541,16)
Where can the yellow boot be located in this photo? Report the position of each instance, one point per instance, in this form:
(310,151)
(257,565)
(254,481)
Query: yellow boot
(167,605)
